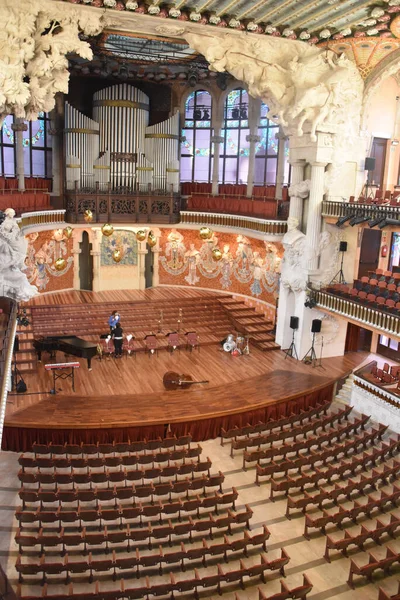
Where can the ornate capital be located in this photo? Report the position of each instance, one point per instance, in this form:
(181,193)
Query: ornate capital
(252,138)
(19,127)
(217,139)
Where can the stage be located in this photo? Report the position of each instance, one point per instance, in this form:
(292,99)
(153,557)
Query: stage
(125,398)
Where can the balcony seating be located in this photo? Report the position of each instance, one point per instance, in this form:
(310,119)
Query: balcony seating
(379,290)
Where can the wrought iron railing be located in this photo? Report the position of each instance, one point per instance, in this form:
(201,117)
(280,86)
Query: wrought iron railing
(331,208)
(383,321)
(265,226)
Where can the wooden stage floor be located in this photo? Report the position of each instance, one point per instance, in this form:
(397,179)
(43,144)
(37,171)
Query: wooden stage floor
(128,392)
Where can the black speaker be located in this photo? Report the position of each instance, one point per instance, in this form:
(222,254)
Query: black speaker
(16,344)
(316,326)
(294,322)
(369,164)
(21,387)
(343,247)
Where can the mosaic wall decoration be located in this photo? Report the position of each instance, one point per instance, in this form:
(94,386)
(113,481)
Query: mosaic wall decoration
(248,266)
(123,240)
(44,249)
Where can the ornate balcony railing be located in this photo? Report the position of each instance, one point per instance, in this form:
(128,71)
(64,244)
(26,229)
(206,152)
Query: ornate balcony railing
(112,207)
(42,219)
(252,224)
(383,321)
(331,208)
(6,362)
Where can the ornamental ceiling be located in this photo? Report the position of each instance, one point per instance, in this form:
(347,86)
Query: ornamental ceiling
(367,31)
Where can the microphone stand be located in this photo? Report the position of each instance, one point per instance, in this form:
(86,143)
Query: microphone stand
(320,355)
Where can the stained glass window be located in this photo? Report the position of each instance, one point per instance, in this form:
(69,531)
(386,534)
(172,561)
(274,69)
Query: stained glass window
(266,150)
(234,157)
(37,148)
(196,156)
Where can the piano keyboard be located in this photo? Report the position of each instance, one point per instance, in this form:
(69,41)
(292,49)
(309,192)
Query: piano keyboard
(66,365)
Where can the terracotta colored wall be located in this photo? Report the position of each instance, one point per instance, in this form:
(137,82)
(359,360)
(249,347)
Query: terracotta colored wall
(248,266)
(43,251)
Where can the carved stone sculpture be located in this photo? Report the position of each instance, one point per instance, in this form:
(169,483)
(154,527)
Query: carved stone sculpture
(300,83)
(35,38)
(13,245)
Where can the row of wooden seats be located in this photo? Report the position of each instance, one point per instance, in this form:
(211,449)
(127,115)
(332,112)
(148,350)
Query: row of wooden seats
(111,448)
(191,584)
(47,566)
(310,459)
(298,593)
(183,486)
(292,432)
(374,301)
(382,378)
(311,442)
(374,564)
(136,511)
(282,422)
(122,514)
(90,477)
(148,533)
(375,535)
(383,595)
(343,514)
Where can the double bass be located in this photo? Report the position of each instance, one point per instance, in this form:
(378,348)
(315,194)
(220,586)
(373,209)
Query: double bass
(173,381)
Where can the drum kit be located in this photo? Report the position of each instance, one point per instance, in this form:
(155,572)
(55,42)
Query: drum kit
(237,346)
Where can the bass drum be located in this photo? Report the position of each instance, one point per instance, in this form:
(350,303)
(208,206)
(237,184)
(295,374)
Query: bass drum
(229,346)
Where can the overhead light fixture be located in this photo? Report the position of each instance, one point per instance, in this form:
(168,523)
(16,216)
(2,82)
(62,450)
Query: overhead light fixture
(387,222)
(235,113)
(243,112)
(376,221)
(342,220)
(395,142)
(206,115)
(197,114)
(358,220)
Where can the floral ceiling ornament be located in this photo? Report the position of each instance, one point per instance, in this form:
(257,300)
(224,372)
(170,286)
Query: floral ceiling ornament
(131,5)
(44,33)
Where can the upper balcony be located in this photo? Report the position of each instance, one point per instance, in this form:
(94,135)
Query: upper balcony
(377,209)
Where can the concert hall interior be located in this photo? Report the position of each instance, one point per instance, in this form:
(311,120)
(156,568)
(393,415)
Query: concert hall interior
(200,299)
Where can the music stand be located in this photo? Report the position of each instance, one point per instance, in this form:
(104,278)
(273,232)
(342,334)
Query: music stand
(291,351)
(320,354)
(310,357)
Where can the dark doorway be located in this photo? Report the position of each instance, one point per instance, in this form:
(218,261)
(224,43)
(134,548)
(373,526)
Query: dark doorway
(358,339)
(388,347)
(85,263)
(369,252)
(148,267)
(378,151)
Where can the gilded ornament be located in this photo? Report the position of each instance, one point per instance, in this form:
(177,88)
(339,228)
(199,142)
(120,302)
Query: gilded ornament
(117,255)
(205,233)
(216,254)
(140,235)
(68,231)
(58,235)
(151,239)
(88,216)
(107,230)
(60,264)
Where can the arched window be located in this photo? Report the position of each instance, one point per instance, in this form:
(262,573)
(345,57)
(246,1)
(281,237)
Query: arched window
(196,148)
(37,148)
(234,157)
(266,150)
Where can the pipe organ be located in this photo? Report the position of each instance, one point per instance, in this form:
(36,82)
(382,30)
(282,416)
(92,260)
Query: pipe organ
(82,148)
(117,148)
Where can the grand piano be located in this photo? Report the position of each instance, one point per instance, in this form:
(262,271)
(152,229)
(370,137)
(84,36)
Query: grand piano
(69,344)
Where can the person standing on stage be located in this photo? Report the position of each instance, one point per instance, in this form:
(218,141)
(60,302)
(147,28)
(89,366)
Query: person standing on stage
(113,320)
(118,337)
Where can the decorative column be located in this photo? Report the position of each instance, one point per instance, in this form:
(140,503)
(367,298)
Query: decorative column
(217,139)
(18,128)
(280,171)
(253,139)
(142,251)
(296,203)
(96,253)
(76,251)
(314,217)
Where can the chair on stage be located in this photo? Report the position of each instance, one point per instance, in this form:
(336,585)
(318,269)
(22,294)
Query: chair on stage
(128,346)
(107,347)
(192,341)
(173,341)
(151,344)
